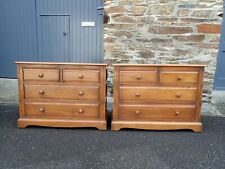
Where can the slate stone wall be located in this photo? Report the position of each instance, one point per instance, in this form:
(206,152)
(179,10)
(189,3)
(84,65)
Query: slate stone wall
(163,31)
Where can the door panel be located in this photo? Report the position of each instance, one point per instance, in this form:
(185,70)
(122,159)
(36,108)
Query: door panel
(17,35)
(86,42)
(53,38)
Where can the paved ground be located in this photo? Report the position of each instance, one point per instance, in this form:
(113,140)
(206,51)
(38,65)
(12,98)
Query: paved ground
(46,148)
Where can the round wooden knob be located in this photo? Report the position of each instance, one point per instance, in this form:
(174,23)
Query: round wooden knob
(179,78)
(138,77)
(41,75)
(178,95)
(137,112)
(41,92)
(81,93)
(81,111)
(80,76)
(137,94)
(41,109)
(177,113)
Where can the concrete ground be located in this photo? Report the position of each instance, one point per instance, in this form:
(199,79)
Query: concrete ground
(46,148)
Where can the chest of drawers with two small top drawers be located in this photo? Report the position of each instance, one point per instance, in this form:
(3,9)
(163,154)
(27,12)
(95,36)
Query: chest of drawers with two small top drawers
(62,94)
(161,97)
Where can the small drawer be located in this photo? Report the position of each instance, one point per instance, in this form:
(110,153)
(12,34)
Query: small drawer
(157,112)
(61,92)
(157,94)
(179,77)
(138,76)
(41,75)
(81,75)
(63,110)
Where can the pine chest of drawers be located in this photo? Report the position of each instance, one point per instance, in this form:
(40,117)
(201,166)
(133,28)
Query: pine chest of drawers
(62,94)
(157,97)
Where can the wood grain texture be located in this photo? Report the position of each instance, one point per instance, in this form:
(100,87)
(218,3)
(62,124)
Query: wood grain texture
(138,76)
(61,63)
(160,65)
(65,110)
(155,125)
(179,77)
(103,91)
(67,123)
(61,92)
(20,91)
(157,94)
(172,102)
(157,112)
(199,96)
(81,76)
(55,94)
(41,74)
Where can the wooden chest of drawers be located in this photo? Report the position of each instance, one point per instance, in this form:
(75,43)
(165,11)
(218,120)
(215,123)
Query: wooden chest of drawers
(62,94)
(158,97)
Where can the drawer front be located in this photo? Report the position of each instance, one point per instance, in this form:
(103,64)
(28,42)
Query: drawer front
(61,92)
(41,74)
(157,112)
(54,110)
(157,94)
(138,76)
(81,76)
(179,77)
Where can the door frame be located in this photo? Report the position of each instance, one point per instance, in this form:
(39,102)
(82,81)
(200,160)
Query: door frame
(219,77)
(38,25)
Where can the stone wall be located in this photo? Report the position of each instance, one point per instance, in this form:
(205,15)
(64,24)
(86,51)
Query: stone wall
(163,31)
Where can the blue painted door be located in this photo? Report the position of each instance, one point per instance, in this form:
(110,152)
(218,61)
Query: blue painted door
(49,30)
(53,38)
(219,79)
(86,42)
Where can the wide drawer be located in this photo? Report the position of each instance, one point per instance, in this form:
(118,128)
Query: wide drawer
(178,77)
(61,92)
(63,110)
(138,76)
(81,75)
(157,112)
(41,74)
(157,94)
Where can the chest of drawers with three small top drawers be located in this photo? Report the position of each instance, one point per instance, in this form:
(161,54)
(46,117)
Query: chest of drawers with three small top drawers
(161,97)
(62,94)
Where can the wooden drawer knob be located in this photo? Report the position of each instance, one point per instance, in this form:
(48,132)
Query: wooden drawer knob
(80,111)
(41,109)
(81,93)
(137,112)
(80,76)
(138,77)
(41,75)
(178,95)
(41,92)
(137,94)
(177,113)
(179,78)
